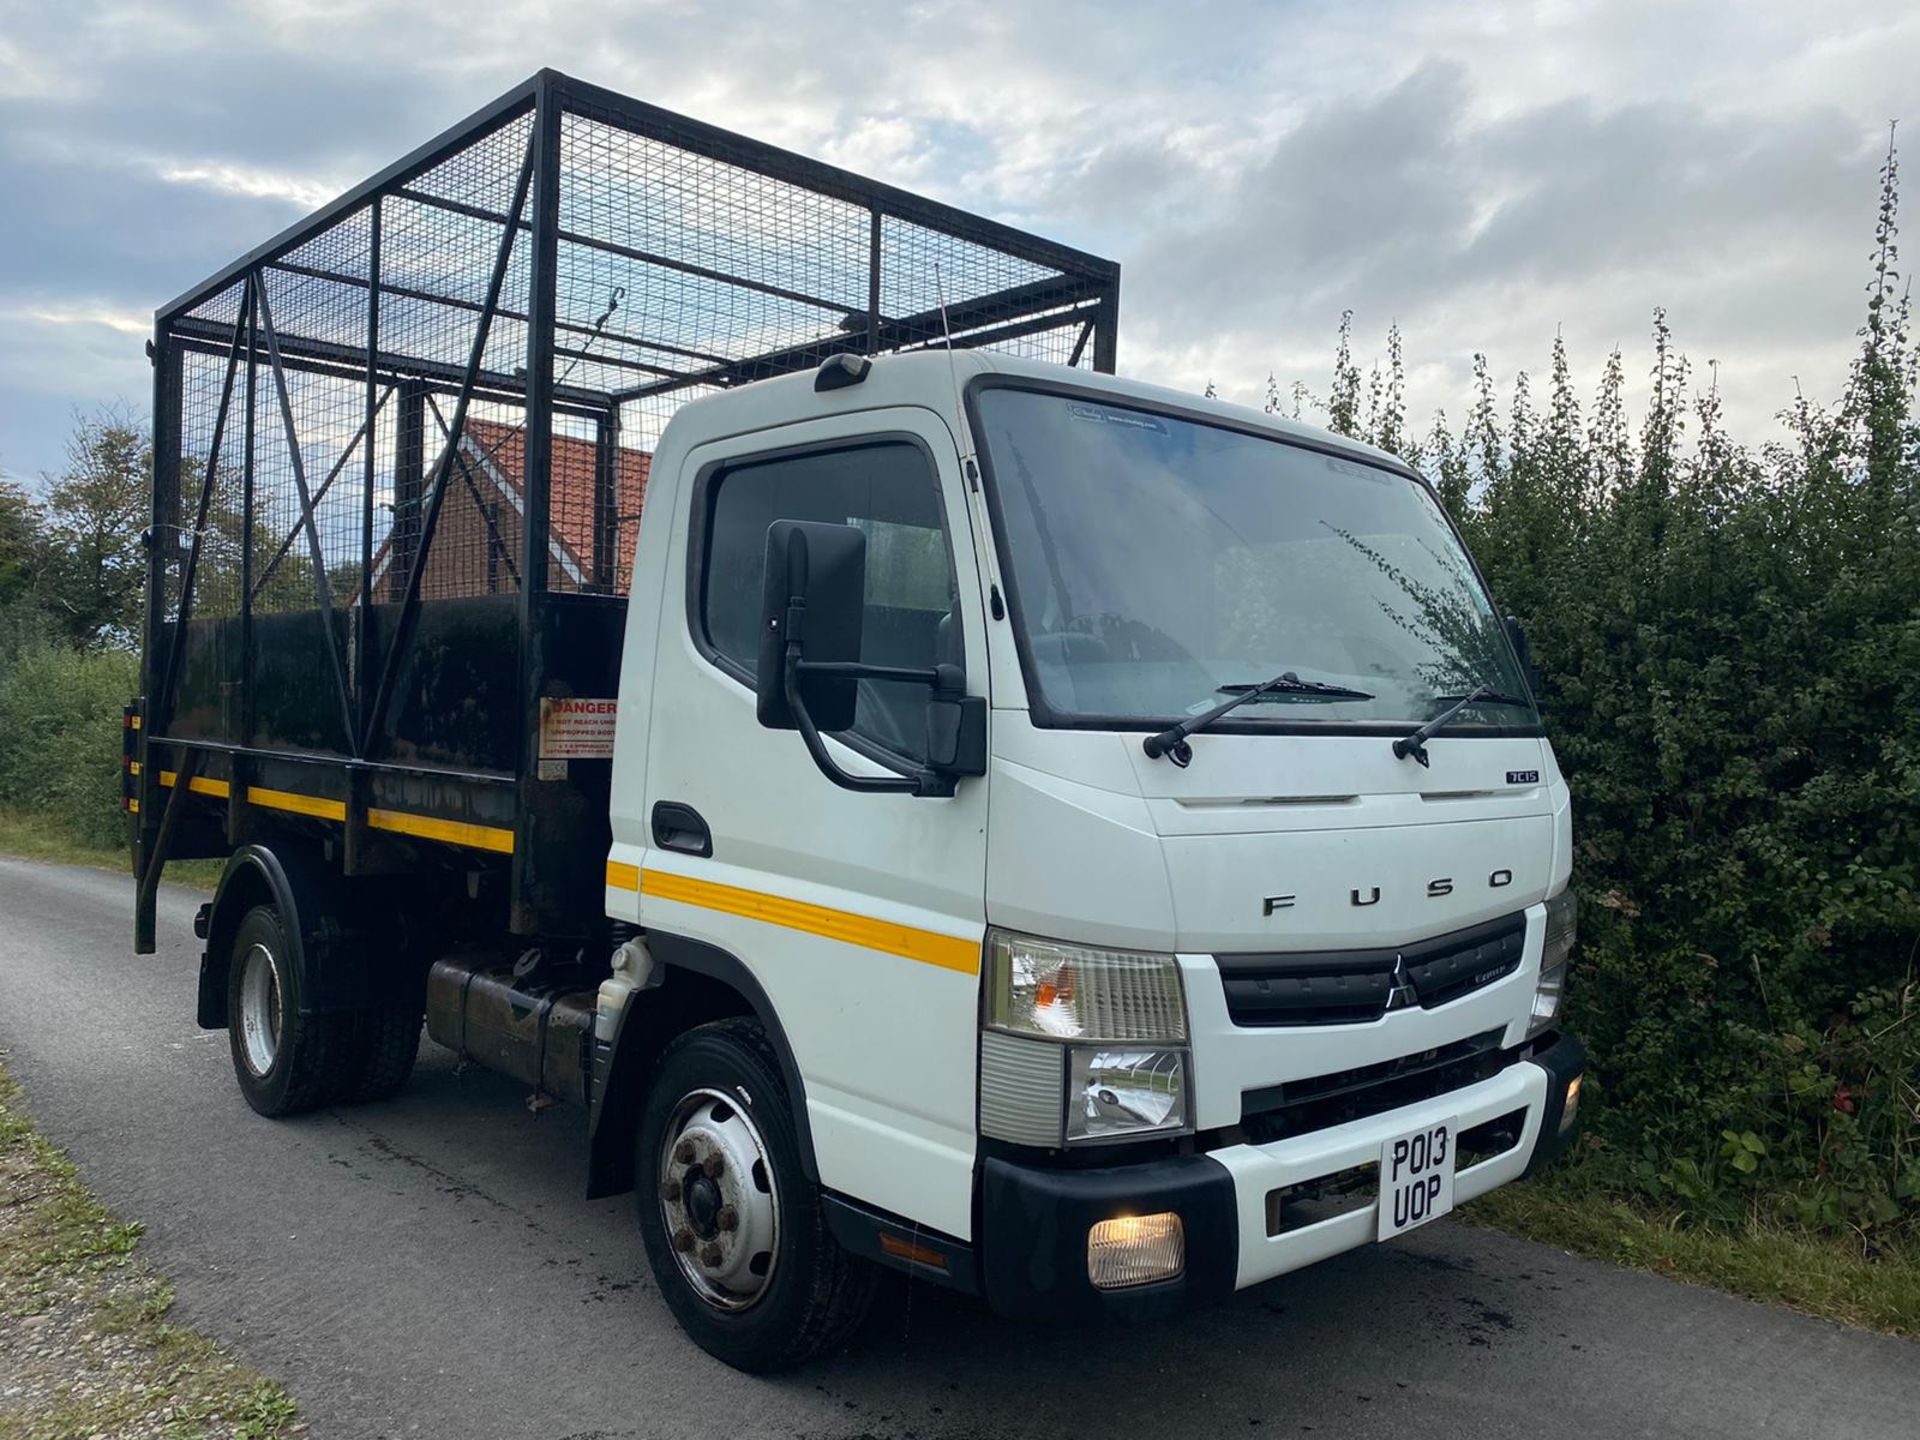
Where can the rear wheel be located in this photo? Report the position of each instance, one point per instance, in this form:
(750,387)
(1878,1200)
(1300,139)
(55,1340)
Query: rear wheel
(733,1228)
(386,1041)
(285,1061)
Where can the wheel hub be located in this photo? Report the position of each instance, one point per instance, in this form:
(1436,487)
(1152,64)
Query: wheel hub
(703,1204)
(260,1009)
(717,1200)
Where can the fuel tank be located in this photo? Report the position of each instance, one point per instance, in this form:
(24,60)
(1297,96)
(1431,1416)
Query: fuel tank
(537,1030)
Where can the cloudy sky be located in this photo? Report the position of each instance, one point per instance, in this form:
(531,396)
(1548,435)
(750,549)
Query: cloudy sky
(1481,173)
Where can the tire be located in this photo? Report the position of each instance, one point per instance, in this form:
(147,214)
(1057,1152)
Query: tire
(386,1041)
(285,1062)
(773,1289)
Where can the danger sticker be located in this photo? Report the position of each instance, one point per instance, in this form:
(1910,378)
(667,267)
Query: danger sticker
(576,729)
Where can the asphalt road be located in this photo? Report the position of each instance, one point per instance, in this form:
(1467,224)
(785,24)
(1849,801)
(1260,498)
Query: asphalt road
(426,1267)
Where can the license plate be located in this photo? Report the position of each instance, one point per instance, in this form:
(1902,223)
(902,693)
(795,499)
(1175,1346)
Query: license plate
(1416,1178)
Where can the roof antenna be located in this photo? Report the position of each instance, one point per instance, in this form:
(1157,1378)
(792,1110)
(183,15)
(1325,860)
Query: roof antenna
(953,369)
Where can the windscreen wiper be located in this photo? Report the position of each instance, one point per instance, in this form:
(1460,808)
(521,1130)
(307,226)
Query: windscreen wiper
(1172,742)
(1292,684)
(1416,743)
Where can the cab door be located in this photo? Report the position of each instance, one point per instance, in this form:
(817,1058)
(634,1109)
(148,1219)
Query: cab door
(860,916)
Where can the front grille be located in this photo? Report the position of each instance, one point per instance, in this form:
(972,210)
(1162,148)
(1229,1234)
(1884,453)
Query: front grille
(1350,987)
(1276,1112)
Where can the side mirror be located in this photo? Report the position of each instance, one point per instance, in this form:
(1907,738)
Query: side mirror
(1522,647)
(814,596)
(812,611)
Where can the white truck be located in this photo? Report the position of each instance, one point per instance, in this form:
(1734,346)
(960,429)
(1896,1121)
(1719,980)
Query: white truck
(1083,845)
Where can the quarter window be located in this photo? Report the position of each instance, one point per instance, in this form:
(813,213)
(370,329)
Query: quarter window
(890,492)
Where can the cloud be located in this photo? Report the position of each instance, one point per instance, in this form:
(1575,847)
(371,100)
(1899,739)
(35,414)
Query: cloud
(20,77)
(105,317)
(243,180)
(1481,173)
(1480,227)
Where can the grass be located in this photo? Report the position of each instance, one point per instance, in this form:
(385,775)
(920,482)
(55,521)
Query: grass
(1814,1274)
(41,837)
(85,1342)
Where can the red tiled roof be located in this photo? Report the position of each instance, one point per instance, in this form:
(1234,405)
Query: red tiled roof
(477,542)
(570,494)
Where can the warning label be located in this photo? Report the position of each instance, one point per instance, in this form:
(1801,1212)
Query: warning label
(576,729)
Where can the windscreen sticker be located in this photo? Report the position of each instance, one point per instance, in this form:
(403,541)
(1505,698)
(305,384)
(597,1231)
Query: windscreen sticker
(1126,419)
(576,728)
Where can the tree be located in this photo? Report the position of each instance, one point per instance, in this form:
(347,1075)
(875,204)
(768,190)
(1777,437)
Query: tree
(19,543)
(92,561)
(1343,403)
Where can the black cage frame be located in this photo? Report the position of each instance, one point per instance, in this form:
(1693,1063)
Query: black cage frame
(400,451)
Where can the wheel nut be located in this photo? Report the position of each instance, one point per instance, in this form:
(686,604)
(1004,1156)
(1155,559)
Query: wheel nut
(713,1165)
(727,1218)
(670,1191)
(710,1254)
(683,1153)
(683,1239)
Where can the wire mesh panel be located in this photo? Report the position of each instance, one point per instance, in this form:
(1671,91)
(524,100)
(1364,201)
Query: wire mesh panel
(382,448)
(211,453)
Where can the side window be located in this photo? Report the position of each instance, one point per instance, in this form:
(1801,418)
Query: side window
(888,490)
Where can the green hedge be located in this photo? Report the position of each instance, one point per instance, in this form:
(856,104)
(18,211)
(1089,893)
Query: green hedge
(1732,651)
(60,734)
(1731,647)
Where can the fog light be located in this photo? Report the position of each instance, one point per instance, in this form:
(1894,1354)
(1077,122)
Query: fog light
(1570,1109)
(1136,1250)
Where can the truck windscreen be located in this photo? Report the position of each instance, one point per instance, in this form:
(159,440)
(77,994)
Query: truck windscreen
(1160,564)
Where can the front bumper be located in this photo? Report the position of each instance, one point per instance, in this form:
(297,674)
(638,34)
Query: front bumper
(1034,1220)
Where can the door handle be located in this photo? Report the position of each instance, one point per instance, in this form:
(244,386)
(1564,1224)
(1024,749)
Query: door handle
(679,827)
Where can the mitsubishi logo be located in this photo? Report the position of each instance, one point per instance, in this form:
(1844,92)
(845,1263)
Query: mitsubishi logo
(1400,992)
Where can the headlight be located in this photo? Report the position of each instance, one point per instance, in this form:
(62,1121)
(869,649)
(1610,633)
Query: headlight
(1563,928)
(1124,1094)
(1076,992)
(1082,1045)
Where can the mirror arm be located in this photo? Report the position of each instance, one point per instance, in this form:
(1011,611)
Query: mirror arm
(916,784)
(859,670)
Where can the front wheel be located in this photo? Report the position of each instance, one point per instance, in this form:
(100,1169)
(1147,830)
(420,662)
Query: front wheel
(733,1228)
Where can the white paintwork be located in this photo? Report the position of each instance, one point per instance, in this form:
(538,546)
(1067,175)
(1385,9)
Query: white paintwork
(1072,834)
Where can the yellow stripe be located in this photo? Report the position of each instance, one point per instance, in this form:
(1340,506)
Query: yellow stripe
(427,827)
(454,832)
(926,946)
(136,721)
(314,805)
(133,767)
(622,877)
(200,784)
(133,807)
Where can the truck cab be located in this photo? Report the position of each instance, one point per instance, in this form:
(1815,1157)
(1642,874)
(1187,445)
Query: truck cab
(1086,1028)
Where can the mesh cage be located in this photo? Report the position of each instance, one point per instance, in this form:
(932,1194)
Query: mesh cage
(345,421)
